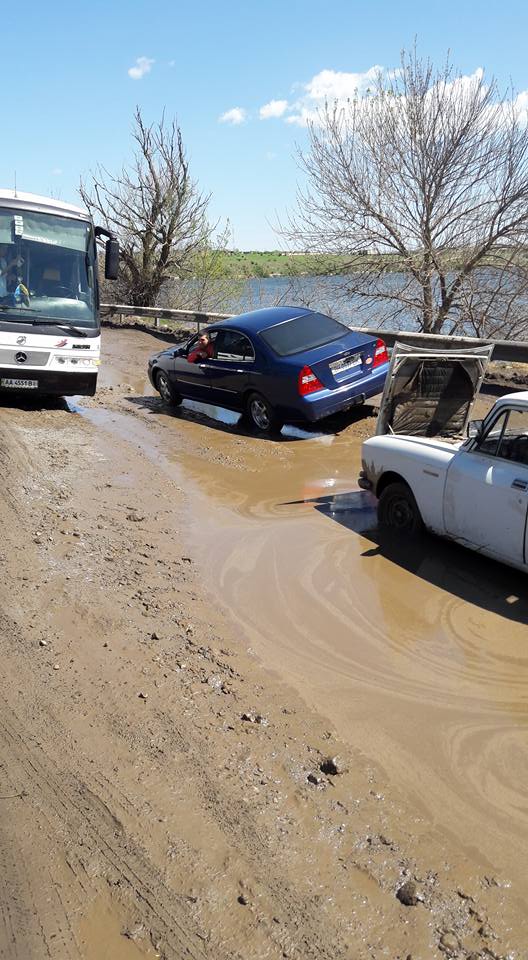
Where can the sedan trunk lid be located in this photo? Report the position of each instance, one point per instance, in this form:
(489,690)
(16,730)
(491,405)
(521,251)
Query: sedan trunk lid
(342,361)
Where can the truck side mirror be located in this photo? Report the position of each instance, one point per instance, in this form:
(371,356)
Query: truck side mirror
(112,259)
(474,429)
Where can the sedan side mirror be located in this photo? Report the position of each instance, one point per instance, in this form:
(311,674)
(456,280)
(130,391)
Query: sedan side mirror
(180,352)
(474,429)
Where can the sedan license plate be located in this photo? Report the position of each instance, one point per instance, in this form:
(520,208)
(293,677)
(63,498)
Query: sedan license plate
(339,366)
(15,384)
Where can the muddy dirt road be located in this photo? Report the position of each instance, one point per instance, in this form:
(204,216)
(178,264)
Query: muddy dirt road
(194,623)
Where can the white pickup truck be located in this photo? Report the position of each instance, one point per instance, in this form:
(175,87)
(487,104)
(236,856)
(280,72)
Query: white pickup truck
(426,470)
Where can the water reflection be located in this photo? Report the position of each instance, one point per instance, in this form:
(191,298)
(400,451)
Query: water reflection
(461,572)
(219,417)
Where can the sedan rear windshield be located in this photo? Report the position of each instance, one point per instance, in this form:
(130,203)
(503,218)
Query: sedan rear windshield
(303,333)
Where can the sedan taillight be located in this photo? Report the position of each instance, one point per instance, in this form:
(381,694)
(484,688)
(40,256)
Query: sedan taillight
(308,382)
(380,354)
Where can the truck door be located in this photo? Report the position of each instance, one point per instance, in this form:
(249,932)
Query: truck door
(486,492)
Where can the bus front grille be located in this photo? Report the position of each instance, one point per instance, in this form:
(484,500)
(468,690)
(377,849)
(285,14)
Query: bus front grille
(20,357)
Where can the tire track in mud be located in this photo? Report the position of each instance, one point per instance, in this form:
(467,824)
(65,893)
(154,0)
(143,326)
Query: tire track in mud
(72,809)
(79,826)
(312,940)
(17,920)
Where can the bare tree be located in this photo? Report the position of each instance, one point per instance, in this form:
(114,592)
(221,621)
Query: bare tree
(423,185)
(209,288)
(154,208)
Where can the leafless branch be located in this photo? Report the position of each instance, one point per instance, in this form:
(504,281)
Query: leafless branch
(423,186)
(155,208)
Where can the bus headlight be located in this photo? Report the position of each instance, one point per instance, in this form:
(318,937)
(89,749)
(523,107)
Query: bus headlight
(76,361)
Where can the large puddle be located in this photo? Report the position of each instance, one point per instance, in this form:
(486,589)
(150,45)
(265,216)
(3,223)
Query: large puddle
(417,654)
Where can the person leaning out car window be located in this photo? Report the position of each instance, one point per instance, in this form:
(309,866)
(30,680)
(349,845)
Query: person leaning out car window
(202,351)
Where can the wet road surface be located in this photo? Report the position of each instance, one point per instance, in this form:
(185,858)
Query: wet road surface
(418,654)
(415,657)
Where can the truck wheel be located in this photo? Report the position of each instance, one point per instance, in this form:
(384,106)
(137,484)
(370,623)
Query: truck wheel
(398,510)
(168,394)
(261,414)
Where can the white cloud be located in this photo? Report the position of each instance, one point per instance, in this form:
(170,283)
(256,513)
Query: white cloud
(459,88)
(303,117)
(234,116)
(338,87)
(56,172)
(521,105)
(334,86)
(275,108)
(142,66)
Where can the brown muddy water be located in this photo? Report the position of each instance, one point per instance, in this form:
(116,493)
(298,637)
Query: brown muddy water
(418,654)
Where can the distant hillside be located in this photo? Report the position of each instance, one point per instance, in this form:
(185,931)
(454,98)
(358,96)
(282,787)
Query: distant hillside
(243,264)
(269,263)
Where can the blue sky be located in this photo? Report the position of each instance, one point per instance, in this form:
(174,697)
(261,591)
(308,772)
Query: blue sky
(68,96)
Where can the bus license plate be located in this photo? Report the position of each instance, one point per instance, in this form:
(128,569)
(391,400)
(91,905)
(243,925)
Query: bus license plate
(18,384)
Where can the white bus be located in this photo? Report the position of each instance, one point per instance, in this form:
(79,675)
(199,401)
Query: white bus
(50,338)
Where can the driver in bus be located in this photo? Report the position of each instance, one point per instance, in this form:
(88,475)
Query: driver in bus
(8,269)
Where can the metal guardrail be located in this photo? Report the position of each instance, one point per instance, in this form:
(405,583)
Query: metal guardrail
(158,313)
(513,351)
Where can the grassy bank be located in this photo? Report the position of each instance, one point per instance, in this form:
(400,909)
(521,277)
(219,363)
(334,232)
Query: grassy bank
(274,263)
(242,265)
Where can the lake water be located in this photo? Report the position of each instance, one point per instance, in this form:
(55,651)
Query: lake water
(336,296)
(326,294)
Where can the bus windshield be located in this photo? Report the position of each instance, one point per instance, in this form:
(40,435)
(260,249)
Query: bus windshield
(47,268)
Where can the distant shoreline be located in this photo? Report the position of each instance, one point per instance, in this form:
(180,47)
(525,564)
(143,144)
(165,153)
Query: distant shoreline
(258,264)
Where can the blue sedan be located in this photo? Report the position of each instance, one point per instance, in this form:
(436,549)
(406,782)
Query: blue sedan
(276,365)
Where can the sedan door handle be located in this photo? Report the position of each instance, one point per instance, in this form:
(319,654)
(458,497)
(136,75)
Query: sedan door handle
(520,484)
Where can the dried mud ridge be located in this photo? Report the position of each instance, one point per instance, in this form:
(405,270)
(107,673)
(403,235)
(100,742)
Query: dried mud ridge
(160,793)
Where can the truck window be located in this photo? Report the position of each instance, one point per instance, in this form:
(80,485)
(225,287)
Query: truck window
(507,438)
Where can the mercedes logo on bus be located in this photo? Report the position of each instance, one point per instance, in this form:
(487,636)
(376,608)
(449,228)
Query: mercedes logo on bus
(21,340)
(20,357)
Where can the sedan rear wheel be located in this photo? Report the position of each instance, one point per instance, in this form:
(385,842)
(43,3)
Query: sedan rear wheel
(168,394)
(261,414)
(398,510)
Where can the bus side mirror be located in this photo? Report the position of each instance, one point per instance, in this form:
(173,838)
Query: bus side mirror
(112,259)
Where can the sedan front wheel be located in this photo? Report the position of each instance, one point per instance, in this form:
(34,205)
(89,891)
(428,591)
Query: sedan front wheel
(168,394)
